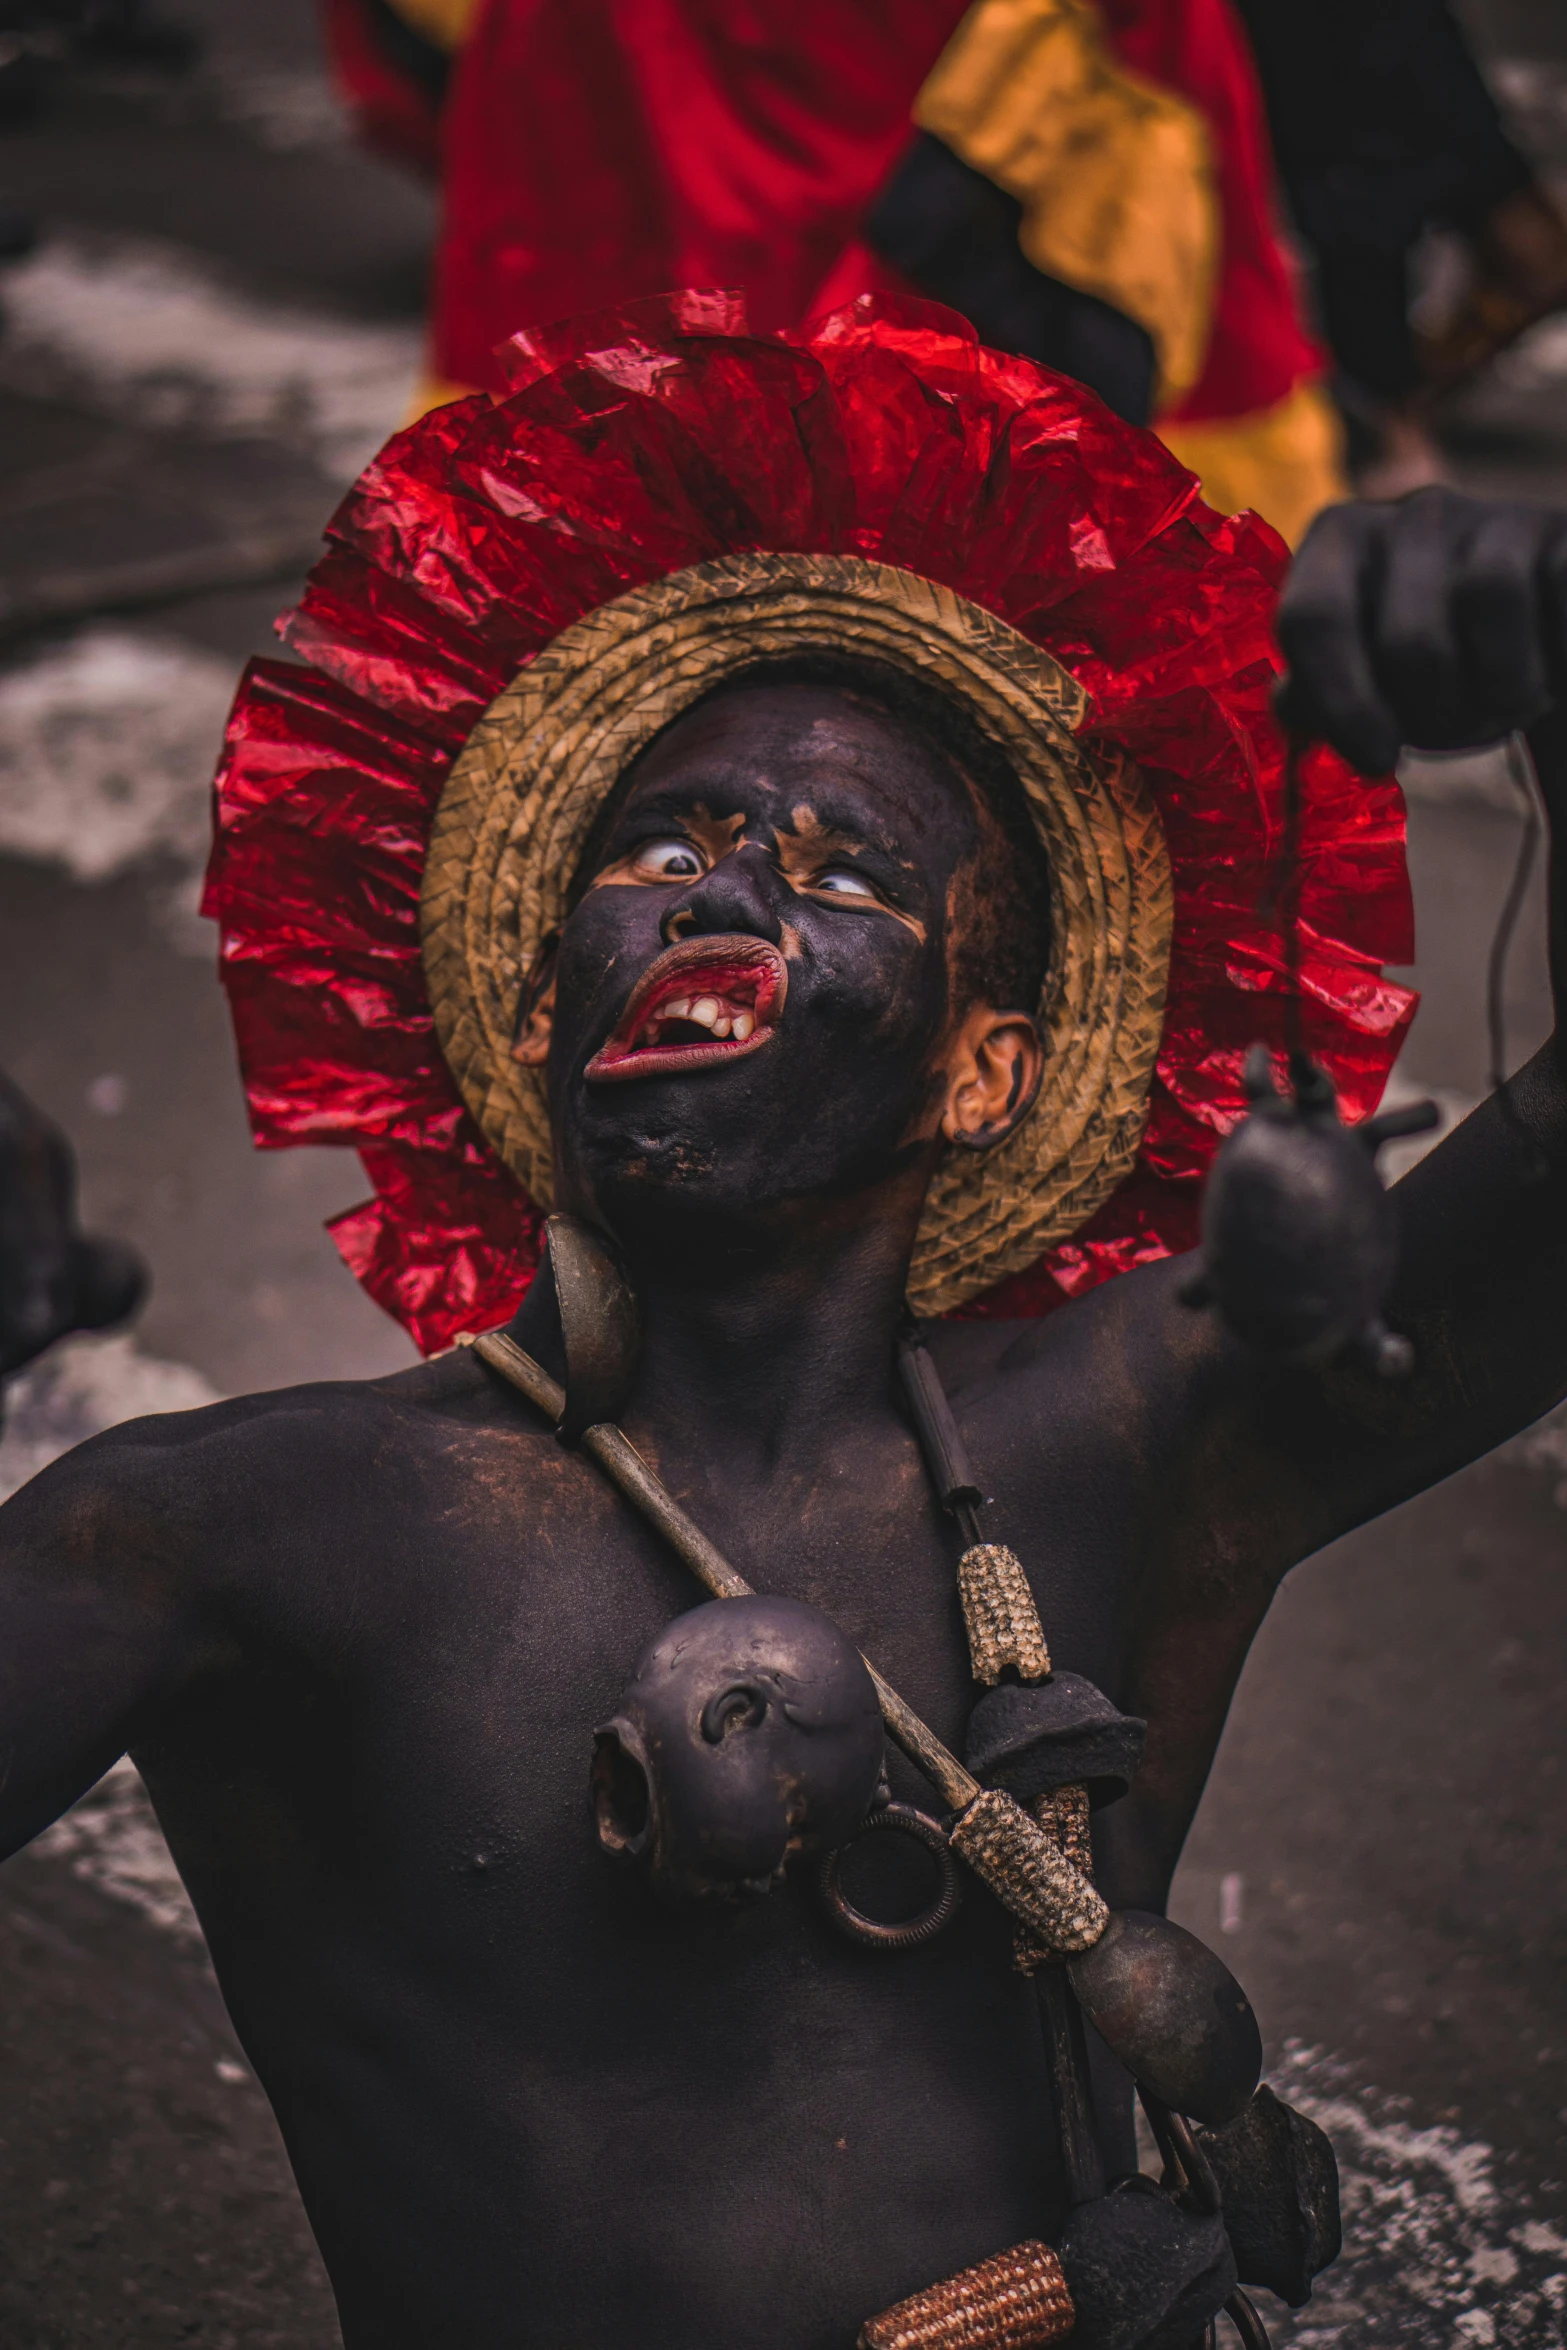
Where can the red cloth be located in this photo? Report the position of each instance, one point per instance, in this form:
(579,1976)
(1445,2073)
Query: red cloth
(391,112)
(601,150)
(629,447)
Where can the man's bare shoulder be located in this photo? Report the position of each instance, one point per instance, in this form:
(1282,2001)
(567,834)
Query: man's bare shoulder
(1116,1346)
(202,1482)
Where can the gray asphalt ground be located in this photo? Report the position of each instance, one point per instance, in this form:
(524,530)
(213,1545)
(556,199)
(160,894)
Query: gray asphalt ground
(220,324)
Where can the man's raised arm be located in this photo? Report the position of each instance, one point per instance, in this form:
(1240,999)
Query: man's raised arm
(1441,623)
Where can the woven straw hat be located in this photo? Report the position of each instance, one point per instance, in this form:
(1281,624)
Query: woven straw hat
(520,800)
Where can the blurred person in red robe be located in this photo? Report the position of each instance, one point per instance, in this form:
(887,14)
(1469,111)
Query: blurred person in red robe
(1386,134)
(1090,185)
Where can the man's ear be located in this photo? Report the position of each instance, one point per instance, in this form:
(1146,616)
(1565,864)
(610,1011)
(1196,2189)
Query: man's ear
(994,1067)
(530,1044)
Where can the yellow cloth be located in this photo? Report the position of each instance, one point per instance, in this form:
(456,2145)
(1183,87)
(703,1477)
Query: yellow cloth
(433,391)
(1286,463)
(446,23)
(1115,175)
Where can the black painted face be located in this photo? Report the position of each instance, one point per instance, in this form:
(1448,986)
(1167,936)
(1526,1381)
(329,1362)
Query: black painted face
(751,993)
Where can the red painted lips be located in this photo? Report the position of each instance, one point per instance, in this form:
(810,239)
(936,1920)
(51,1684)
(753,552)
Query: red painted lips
(705,1001)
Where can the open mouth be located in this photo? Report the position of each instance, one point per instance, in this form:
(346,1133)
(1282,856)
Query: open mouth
(704,1001)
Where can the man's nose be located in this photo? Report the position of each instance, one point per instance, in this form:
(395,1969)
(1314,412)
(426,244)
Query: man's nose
(741,892)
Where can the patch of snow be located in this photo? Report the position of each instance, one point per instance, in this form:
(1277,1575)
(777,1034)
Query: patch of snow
(78,1389)
(107,746)
(285,108)
(112,1839)
(151,333)
(1435,2253)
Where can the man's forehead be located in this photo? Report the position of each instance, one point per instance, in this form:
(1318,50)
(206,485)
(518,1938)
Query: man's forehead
(803,756)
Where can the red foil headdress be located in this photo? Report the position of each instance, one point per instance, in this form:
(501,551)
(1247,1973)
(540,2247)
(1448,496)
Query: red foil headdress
(630,446)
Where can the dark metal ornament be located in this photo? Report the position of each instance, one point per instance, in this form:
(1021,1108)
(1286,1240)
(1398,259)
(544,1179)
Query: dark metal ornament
(1299,1238)
(1173,2013)
(600,1323)
(1033,1737)
(1144,2267)
(1278,2178)
(750,1732)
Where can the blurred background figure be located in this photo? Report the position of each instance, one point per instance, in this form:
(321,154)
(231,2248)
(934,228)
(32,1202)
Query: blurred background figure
(1386,134)
(53,1278)
(1090,186)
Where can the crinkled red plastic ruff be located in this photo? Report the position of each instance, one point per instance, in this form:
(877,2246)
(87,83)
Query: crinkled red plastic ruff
(634,444)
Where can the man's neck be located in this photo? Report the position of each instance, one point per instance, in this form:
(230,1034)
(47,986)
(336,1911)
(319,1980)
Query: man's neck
(763,1353)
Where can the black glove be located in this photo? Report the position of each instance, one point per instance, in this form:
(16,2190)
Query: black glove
(1143,2274)
(1440,621)
(53,1279)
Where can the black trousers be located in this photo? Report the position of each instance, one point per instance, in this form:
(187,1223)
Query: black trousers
(1382,127)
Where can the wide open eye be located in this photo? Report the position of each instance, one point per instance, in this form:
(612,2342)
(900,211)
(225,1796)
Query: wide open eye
(670,859)
(841,881)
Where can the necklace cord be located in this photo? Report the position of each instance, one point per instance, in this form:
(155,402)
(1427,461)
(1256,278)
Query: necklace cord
(940,1441)
(1280,905)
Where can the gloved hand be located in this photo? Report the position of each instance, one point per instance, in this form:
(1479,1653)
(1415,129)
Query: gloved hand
(53,1279)
(1143,2274)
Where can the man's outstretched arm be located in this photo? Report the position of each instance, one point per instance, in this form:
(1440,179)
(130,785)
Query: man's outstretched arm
(91,1624)
(102,1628)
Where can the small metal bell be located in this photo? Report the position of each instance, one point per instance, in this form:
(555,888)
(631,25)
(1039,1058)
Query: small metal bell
(1299,1238)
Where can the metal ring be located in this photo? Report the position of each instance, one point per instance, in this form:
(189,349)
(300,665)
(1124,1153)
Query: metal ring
(1183,2157)
(900,1819)
(1242,2314)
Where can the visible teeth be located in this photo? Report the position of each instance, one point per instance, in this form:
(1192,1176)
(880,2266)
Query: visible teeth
(726,1017)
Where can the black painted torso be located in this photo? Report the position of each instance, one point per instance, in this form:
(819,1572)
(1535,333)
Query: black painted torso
(521,2097)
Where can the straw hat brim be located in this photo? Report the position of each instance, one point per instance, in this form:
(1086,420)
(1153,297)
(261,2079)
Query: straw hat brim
(520,800)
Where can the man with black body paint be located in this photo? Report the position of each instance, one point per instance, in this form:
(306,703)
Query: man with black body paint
(356,1636)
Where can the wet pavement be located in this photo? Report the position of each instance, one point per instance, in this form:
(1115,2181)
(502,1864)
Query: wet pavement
(220,322)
